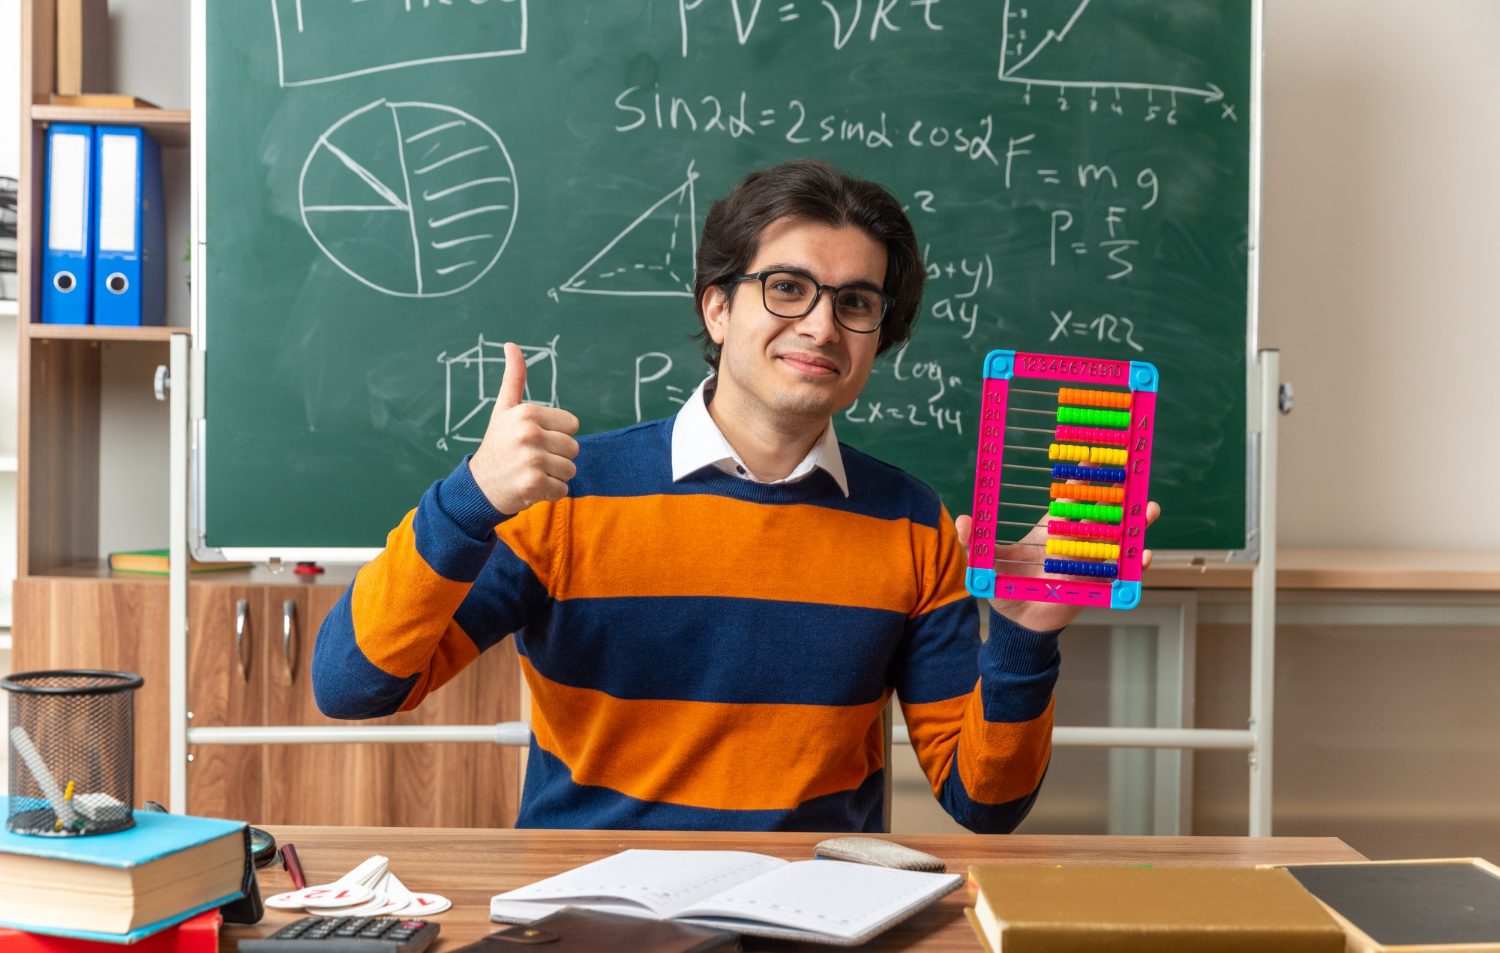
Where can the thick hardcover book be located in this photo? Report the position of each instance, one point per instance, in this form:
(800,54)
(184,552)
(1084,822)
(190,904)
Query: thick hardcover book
(121,887)
(1139,909)
(818,901)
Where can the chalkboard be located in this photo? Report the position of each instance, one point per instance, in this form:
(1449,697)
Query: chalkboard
(391,190)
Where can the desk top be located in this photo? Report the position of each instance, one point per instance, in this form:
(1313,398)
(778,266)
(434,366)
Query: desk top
(470,866)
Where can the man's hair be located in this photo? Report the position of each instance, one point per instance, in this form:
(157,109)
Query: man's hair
(813,191)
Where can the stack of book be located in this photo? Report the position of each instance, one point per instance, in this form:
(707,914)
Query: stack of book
(118,888)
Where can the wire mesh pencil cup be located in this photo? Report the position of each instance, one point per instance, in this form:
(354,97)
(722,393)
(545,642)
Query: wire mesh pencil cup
(72,752)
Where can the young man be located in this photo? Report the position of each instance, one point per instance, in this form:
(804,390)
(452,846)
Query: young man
(701,648)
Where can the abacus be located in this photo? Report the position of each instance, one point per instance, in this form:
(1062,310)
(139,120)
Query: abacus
(1098,452)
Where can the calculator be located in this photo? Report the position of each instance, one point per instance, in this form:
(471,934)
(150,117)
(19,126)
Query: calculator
(347,935)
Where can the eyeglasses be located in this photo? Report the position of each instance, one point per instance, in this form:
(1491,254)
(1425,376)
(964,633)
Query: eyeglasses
(793,294)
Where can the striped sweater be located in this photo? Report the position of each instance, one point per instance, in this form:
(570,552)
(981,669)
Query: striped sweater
(712,653)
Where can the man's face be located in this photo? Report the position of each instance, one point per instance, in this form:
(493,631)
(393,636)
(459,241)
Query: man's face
(794,373)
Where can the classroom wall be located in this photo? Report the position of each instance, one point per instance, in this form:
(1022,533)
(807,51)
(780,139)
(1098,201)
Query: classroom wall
(1379,277)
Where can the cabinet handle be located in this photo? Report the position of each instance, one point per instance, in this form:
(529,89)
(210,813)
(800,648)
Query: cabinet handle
(289,637)
(242,637)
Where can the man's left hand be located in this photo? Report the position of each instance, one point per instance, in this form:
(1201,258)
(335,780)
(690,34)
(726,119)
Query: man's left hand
(1024,558)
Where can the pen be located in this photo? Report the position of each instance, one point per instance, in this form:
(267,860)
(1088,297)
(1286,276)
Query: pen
(293,866)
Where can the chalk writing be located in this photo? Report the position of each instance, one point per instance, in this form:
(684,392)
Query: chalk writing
(873,21)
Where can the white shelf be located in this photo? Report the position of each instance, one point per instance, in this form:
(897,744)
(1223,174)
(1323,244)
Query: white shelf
(5,643)
(8,463)
(9,308)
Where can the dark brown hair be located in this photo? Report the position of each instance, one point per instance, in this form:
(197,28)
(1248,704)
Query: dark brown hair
(815,191)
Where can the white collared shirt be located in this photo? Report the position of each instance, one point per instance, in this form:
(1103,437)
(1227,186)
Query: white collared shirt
(698,442)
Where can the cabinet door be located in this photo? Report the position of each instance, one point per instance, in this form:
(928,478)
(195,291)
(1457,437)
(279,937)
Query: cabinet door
(227,631)
(433,784)
(114,624)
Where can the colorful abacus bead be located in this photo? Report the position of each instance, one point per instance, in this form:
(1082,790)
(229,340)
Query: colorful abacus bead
(1063,471)
(1071,567)
(1083,530)
(1068,451)
(1112,438)
(1082,550)
(1088,417)
(1119,400)
(1080,491)
(1086,511)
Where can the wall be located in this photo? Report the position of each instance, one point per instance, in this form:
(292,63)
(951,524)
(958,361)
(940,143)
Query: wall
(1379,280)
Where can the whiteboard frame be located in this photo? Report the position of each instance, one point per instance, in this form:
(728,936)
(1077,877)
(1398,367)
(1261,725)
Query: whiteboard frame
(274,555)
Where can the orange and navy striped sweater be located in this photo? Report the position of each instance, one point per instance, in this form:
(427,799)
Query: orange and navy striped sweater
(712,653)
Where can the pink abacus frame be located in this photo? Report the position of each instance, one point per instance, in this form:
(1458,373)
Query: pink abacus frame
(1000,367)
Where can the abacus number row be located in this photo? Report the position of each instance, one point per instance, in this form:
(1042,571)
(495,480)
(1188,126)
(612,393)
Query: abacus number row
(1082,550)
(1073,567)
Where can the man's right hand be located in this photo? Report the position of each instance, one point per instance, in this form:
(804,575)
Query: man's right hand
(528,449)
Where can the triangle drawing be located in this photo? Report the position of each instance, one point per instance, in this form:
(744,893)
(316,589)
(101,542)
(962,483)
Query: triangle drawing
(653,255)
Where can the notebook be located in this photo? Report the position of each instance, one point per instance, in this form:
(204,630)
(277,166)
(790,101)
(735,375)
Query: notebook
(1409,905)
(818,901)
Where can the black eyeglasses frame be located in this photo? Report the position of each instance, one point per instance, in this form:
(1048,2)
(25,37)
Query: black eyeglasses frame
(885,300)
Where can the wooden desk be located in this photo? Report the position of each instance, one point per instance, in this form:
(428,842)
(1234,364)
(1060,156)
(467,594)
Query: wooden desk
(470,866)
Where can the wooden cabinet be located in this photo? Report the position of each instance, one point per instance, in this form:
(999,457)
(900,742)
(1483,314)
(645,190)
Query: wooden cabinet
(273,628)
(249,664)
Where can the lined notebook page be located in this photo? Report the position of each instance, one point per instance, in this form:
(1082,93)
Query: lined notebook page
(824,896)
(661,881)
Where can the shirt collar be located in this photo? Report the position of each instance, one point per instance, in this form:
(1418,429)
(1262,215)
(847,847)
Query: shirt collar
(697,442)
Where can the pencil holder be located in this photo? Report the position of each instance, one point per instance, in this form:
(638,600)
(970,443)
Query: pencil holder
(72,752)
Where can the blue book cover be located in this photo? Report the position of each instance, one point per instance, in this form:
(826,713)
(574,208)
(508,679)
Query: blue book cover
(154,836)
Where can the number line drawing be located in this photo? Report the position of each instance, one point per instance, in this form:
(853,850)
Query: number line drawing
(453,214)
(681,204)
(472,379)
(300,61)
(1012,73)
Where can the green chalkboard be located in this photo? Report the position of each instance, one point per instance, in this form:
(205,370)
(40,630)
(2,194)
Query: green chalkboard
(392,189)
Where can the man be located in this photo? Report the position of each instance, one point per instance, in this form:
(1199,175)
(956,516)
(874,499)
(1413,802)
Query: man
(713,609)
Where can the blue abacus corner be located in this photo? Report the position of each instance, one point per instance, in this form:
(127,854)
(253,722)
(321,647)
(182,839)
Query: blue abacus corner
(981,582)
(1143,376)
(1000,364)
(1124,595)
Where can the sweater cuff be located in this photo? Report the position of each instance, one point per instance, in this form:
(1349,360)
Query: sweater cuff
(463,502)
(1017,650)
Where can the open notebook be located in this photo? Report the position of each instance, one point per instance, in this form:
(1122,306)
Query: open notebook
(822,901)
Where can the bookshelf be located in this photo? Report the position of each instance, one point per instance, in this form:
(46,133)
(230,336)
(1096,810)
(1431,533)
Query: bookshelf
(84,392)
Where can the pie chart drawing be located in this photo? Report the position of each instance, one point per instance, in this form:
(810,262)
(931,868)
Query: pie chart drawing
(415,200)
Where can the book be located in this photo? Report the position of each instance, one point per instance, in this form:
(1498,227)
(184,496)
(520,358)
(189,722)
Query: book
(197,934)
(157,561)
(1409,905)
(820,901)
(1160,909)
(121,887)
